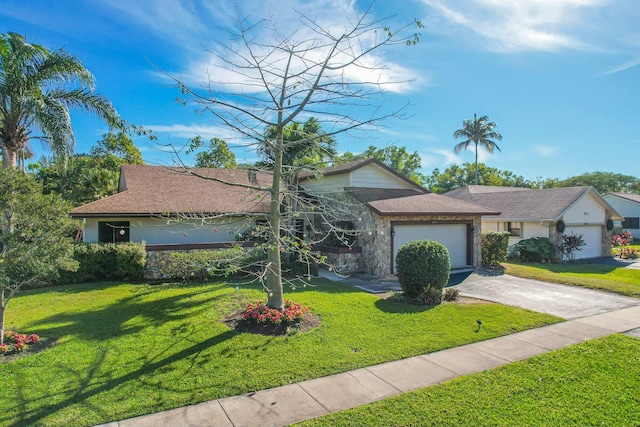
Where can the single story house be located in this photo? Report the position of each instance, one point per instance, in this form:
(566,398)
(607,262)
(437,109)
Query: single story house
(526,213)
(628,205)
(392,210)
(170,208)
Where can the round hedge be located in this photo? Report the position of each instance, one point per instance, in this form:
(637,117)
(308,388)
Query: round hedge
(422,265)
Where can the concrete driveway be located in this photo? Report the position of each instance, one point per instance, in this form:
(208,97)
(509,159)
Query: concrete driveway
(568,302)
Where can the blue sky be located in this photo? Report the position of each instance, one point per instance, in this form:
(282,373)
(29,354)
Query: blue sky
(561,78)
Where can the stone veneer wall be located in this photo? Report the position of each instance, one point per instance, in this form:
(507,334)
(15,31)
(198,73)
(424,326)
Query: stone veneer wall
(155,261)
(607,245)
(375,237)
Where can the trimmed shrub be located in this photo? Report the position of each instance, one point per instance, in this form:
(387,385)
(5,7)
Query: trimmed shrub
(421,266)
(107,261)
(535,249)
(495,248)
(202,265)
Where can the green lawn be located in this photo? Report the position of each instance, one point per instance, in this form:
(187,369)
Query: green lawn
(126,350)
(593,383)
(624,281)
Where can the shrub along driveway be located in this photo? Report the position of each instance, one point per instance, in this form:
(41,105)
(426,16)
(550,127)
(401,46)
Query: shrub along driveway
(568,302)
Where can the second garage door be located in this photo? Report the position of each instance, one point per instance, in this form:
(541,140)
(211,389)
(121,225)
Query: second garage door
(453,236)
(592,235)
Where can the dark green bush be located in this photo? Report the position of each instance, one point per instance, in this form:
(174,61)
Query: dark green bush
(202,265)
(422,265)
(535,249)
(495,248)
(107,261)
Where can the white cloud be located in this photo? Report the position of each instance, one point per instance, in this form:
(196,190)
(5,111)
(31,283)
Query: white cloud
(623,67)
(184,131)
(204,24)
(439,158)
(521,25)
(546,151)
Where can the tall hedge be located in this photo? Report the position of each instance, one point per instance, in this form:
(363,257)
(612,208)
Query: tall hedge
(422,265)
(107,261)
(201,265)
(495,248)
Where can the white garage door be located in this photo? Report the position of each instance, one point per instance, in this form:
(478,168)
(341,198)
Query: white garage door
(453,236)
(592,235)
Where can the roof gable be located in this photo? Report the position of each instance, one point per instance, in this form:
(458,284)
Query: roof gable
(357,168)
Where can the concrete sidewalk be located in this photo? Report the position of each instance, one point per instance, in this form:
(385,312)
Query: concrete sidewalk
(309,399)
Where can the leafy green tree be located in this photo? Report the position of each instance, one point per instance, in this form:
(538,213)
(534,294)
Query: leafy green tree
(480,132)
(604,182)
(37,89)
(84,178)
(457,176)
(307,144)
(36,237)
(118,149)
(397,158)
(217,154)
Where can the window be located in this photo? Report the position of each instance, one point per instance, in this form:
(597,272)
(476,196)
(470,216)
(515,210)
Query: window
(632,223)
(113,231)
(514,228)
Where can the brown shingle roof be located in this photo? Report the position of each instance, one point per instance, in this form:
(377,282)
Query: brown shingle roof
(428,204)
(364,195)
(153,190)
(546,204)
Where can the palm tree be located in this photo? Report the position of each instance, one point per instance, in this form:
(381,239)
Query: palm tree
(37,89)
(479,131)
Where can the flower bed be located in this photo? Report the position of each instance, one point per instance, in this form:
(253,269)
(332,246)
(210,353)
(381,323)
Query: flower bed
(15,342)
(258,312)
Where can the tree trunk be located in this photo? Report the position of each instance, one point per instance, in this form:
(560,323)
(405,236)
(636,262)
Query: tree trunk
(274,270)
(2,306)
(9,158)
(476,161)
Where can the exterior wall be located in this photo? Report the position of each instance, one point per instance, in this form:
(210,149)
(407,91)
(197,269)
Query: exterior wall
(529,229)
(327,184)
(586,211)
(156,231)
(368,176)
(372,176)
(626,208)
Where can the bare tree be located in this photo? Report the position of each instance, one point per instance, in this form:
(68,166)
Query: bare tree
(333,74)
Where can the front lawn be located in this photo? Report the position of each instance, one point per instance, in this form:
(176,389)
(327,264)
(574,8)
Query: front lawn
(124,350)
(624,281)
(593,383)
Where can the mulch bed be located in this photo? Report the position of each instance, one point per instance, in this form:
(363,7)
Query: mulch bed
(41,345)
(236,322)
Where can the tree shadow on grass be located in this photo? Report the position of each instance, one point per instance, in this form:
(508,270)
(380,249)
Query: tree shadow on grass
(396,304)
(89,386)
(114,319)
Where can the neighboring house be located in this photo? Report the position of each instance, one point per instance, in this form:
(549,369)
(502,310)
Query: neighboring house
(527,213)
(170,206)
(628,205)
(391,210)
